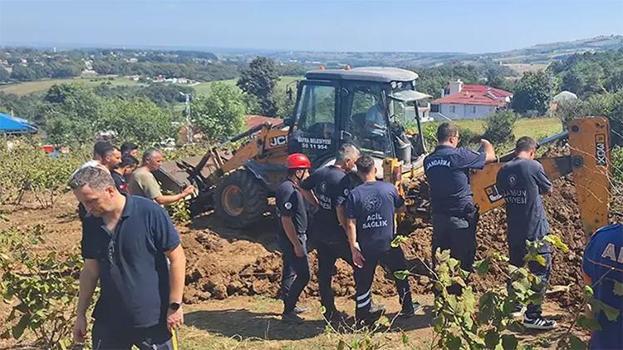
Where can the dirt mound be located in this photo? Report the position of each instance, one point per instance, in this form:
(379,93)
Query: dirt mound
(219,267)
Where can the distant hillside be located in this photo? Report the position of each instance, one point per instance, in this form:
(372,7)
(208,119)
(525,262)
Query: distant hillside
(540,54)
(545,53)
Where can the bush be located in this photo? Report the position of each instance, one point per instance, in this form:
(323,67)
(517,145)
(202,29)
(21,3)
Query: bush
(44,287)
(608,105)
(499,127)
(25,167)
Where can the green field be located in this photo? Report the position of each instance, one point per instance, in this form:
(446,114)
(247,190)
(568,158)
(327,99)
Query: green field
(30,87)
(204,88)
(537,128)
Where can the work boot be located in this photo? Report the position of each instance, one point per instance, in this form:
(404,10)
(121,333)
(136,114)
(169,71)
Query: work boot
(292,317)
(410,310)
(369,318)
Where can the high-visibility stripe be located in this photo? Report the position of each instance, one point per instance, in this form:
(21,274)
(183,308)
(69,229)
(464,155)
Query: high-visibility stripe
(363,296)
(362,304)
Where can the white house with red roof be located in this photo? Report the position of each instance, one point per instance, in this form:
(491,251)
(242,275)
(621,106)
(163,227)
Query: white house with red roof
(469,101)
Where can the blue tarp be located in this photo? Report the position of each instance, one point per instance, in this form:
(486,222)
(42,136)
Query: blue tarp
(14,125)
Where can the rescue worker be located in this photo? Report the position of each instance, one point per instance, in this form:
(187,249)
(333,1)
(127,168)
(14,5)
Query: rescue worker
(603,270)
(292,238)
(454,214)
(521,181)
(393,261)
(370,210)
(326,232)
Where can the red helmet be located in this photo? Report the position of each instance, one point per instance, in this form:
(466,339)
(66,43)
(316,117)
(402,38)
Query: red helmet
(298,161)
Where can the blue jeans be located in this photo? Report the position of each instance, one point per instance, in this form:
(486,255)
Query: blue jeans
(295,275)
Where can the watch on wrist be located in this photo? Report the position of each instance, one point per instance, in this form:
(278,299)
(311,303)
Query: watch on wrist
(174,306)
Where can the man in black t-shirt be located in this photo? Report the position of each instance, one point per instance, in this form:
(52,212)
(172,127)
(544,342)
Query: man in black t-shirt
(370,210)
(454,214)
(326,231)
(121,173)
(522,181)
(292,238)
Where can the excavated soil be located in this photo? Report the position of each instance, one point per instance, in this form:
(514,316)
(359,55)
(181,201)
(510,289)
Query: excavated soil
(221,265)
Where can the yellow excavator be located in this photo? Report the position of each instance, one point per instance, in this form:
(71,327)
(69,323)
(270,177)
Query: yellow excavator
(372,108)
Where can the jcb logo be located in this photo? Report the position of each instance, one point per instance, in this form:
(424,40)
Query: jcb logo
(601,153)
(278,141)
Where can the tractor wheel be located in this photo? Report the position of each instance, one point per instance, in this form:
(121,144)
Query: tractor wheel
(240,199)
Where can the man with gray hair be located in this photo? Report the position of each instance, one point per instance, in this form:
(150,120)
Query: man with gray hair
(326,231)
(144,184)
(126,242)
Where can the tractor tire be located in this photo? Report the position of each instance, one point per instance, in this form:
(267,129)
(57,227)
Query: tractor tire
(240,199)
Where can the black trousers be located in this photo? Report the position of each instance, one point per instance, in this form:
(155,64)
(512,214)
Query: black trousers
(517,252)
(392,260)
(457,234)
(109,336)
(295,274)
(328,253)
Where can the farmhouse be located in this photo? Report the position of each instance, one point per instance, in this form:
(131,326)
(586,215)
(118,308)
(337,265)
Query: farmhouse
(469,101)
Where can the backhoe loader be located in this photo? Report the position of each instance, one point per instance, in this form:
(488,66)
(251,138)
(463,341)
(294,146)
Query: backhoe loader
(372,109)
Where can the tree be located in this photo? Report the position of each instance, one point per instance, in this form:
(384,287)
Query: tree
(494,78)
(259,80)
(220,114)
(137,120)
(532,92)
(70,114)
(499,127)
(4,74)
(23,73)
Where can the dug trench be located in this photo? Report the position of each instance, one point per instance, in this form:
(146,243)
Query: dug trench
(223,262)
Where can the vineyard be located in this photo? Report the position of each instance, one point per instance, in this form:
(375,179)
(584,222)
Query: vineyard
(39,263)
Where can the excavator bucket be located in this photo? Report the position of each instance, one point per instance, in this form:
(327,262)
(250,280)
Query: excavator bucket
(589,162)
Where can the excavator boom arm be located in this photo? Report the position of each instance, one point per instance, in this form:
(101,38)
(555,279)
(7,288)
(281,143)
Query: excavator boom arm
(589,163)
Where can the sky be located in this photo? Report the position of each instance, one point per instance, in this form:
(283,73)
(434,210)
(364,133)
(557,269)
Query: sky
(472,26)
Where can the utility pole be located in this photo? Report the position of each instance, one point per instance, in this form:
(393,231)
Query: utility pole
(189,131)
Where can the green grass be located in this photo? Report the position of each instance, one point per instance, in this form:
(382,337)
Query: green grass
(537,128)
(30,87)
(204,88)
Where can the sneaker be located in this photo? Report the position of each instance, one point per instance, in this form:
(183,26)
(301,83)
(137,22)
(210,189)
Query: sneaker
(409,312)
(539,323)
(292,317)
(299,309)
(518,311)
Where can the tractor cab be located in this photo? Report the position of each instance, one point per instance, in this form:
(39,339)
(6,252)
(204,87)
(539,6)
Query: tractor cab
(368,107)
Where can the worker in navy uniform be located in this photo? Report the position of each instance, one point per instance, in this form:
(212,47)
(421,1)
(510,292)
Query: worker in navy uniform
(323,187)
(454,214)
(603,270)
(521,182)
(393,261)
(370,210)
(292,238)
